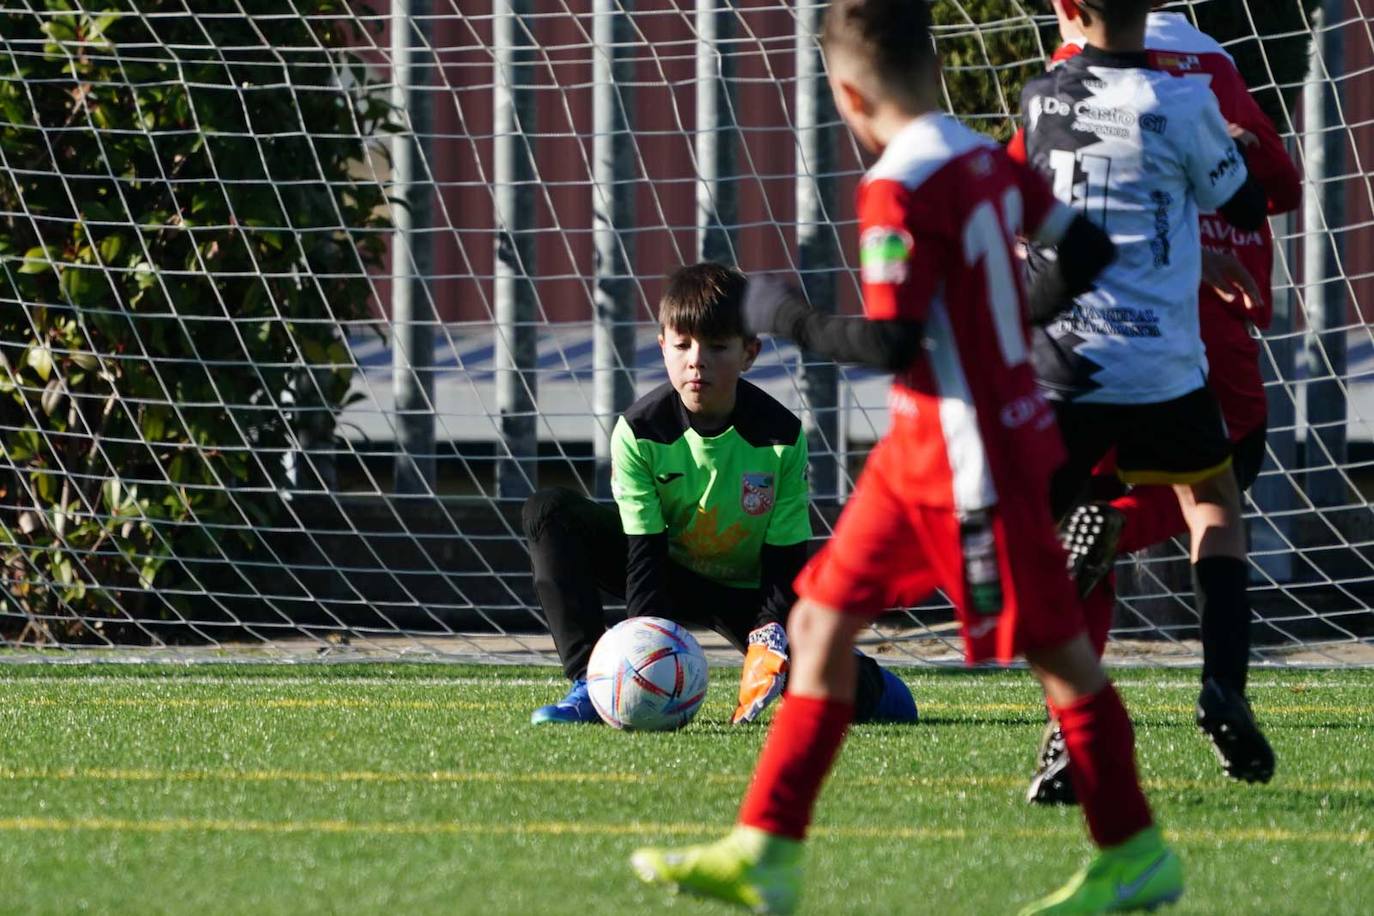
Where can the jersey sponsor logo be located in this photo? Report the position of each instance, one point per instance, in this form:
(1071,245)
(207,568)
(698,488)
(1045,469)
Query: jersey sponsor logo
(1047,105)
(1102,120)
(1218,230)
(756,493)
(1178,62)
(1154,123)
(1225,166)
(885,254)
(669,477)
(1119,321)
(1159,245)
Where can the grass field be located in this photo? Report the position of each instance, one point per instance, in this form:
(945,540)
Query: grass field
(415,788)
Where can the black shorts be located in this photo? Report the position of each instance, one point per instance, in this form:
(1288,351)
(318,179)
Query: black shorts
(1171,442)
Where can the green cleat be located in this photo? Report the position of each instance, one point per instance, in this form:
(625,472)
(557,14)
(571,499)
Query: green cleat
(1140,874)
(751,868)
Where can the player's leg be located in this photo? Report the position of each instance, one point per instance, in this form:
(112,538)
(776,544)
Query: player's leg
(1183,443)
(758,865)
(1220,583)
(879,694)
(1052,781)
(1134,869)
(870,558)
(1089,434)
(577,549)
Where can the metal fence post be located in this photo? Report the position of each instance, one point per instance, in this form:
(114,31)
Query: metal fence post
(513,187)
(1323,281)
(412,311)
(717,209)
(817,250)
(613,175)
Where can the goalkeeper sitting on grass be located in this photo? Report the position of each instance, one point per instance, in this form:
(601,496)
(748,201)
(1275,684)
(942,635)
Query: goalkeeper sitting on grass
(709,477)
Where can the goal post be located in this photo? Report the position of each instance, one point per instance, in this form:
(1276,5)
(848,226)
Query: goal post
(298,302)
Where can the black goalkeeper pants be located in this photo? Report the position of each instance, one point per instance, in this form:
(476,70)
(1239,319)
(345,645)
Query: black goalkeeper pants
(578,550)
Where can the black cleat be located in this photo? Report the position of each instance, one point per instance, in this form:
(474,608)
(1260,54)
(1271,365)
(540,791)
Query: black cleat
(1225,716)
(1052,783)
(1090,533)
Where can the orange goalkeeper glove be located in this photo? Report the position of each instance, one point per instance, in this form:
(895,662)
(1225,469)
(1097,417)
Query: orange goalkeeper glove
(765,672)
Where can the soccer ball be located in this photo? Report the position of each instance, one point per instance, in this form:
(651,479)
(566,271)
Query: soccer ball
(647,674)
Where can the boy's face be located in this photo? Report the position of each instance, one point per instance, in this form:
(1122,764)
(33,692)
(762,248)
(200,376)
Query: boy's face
(704,372)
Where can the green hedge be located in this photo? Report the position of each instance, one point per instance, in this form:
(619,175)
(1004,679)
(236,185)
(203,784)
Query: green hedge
(172,193)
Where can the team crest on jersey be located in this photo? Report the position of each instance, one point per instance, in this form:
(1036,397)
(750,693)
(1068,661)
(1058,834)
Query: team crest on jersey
(756,493)
(885,254)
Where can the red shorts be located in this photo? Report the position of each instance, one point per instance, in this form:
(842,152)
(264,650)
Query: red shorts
(888,552)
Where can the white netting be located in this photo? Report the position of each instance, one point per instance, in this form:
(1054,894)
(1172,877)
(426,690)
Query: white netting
(253,402)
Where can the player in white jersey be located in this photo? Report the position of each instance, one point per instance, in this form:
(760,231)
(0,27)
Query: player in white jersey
(1141,152)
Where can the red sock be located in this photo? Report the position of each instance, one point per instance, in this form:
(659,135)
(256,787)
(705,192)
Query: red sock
(1101,745)
(806,735)
(1152,517)
(1097,612)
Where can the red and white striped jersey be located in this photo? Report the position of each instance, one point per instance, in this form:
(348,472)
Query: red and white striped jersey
(939,215)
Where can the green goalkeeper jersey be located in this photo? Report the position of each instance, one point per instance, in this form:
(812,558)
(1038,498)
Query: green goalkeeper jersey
(720,498)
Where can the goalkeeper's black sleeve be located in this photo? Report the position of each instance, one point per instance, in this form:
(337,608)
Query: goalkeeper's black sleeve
(645,574)
(887,345)
(1247,207)
(778,567)
(1084,251)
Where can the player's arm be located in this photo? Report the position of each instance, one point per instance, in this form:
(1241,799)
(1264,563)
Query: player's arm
(772,306)
(1216,169)
(1265,155)
(641,516)
(900,270)
(1083,249)
(780,562)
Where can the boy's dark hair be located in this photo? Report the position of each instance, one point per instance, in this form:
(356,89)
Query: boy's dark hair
(704,300)
(891,36)
(1118,14)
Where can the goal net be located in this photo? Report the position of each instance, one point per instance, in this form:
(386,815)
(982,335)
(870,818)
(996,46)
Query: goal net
(298,302)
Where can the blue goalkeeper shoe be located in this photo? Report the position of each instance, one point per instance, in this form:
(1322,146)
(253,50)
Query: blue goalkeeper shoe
(575,709)
(749,868)
(1140,874)
(896,703)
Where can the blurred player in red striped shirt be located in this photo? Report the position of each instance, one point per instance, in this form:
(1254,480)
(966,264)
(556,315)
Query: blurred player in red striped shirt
(956,495)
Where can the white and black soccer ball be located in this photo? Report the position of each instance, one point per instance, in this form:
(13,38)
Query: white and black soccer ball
(647,674)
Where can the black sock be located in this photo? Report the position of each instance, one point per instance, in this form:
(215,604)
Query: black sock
(1223,604)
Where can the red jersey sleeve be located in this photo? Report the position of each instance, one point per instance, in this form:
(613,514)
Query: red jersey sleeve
(1016,146)
(902,252)
(1267,159)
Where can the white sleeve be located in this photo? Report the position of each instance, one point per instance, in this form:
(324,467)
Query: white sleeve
(1216,169)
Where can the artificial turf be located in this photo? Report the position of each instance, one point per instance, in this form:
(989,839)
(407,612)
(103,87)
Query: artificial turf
(423,789)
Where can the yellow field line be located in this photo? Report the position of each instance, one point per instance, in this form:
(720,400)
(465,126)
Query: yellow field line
(1264,709)
(579,828)
(255,702)
(458,777)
